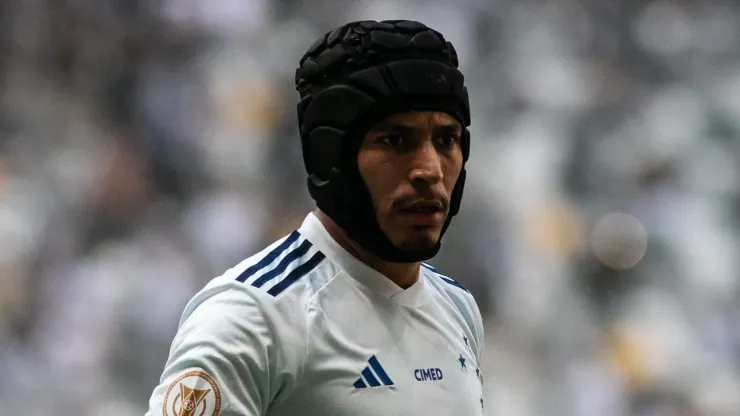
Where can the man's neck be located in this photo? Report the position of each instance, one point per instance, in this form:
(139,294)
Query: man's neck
(402,274)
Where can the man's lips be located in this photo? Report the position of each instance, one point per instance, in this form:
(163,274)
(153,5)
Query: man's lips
(427,212)
(424,206)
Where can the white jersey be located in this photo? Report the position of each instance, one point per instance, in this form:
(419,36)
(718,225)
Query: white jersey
(304,328)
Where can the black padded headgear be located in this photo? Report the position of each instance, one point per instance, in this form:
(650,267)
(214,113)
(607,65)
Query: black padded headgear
(352,78)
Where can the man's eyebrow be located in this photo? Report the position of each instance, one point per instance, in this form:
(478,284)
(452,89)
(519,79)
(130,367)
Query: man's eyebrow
(400,127)
(393,126)
(449,128)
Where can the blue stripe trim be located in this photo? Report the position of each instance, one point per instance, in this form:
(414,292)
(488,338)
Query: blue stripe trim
(360,384)
(296,274)
(454,283)
(370,377)
(291,257)
(269,258)
(380,371)
(445,278)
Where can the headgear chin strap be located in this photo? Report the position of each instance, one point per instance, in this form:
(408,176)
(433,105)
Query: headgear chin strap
(350,79)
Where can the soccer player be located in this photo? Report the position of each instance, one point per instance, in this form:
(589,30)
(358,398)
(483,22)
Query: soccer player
(341,317)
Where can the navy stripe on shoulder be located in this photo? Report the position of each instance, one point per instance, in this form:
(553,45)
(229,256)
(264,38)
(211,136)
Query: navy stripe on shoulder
(284,263)
(454,283)
(297,273)
(269,258)
(444,278)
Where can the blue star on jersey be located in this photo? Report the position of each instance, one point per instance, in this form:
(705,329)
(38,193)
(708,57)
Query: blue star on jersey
(462,362)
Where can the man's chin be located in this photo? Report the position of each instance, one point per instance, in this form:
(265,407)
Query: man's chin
(419,243)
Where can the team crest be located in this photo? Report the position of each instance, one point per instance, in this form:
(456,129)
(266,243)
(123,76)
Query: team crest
(192,394)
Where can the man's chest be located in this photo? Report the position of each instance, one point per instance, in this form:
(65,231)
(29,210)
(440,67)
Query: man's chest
(419,363)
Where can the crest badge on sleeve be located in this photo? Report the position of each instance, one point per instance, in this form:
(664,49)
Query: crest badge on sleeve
(194,393)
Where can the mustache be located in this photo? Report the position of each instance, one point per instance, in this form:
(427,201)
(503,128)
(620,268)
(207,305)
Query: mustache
(411,201)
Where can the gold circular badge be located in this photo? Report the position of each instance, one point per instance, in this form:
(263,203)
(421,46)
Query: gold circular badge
(194,393)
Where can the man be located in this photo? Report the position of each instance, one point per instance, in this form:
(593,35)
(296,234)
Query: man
(340,317)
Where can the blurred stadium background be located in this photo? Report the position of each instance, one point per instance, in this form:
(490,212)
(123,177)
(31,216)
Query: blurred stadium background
(146,146)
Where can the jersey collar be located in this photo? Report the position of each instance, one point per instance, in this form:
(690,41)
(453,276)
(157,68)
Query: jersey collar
(414,296)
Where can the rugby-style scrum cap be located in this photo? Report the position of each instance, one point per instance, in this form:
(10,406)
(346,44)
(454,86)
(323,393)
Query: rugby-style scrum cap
(352,78)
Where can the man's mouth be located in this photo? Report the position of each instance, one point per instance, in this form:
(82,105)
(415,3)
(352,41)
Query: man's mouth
(424,206)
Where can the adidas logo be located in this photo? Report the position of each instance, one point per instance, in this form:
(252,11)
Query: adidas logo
(373,375)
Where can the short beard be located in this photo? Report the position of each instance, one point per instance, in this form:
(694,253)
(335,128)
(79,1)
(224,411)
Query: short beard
(418,243)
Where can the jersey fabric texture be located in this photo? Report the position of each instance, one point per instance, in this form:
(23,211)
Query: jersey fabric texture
(304,328)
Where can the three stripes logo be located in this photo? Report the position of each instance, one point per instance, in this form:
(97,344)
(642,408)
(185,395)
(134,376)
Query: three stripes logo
(291,266)
(373,375)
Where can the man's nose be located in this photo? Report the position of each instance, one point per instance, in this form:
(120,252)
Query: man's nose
(427,165)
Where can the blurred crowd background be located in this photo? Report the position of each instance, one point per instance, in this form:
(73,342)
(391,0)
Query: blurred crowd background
(147,146)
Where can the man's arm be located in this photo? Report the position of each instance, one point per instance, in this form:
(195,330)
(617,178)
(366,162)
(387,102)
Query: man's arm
(224,361)
(478,331)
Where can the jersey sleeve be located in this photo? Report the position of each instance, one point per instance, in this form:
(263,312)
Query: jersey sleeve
(478,330)
(227,359)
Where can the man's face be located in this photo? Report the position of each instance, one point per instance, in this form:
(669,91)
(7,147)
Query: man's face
(410,163)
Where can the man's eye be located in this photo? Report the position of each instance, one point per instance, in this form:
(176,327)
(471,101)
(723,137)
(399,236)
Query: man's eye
(391,140)
(448,140)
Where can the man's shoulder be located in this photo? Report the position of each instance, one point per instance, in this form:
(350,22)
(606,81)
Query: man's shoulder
(289,264)
(444,282)
(278,279)
(453,290)
(462,299)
